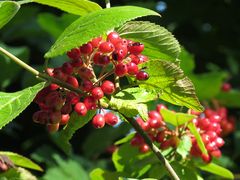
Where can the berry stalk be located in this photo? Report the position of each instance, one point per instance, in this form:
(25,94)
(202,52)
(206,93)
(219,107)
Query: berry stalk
(154,148)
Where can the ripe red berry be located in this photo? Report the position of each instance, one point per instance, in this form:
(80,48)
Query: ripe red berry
(98,121)
(160,136)
(80,108)
(132,68)
(90,102)
(142,75)
(119,55)
(121,69)
(160,106)
(142,58)
(54,100)
(104,60)
(226,87)
(136,48)
(74,53)
(144,148)
(72,97)
(97,93)
(108,87)
(72,81)
(96,58)
(67,68)
(87,85)
(96,41)
(216,153)
(206,158)
(86,48)
(155,123)
(65,118)
(58,74)
(77,63)
(113,37)
(137,140)
(154,115)
(106,47)
(111,119)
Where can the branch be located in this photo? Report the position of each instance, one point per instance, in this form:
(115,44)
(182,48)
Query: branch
(154,148)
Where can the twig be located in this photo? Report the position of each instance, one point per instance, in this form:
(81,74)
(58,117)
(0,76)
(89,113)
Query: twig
(154,148)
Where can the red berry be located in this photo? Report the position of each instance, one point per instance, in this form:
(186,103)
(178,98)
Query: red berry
(104,60)
(142,58)
(113,37)
(74,53)
(155,123)
(72,81)
(166,144)
(106,47)
(154,115)
(219,142)
(67,68)
(137,140)
(121,69)
(87,85)
(119,55)
(160,136)
(86,48)
(65,119)
(97,93)
(54,100)
(111,119)
(96,58)
(67,108)
(160,106)
(132,68)
(98,121)
(136,48)
(96,41)
(142,75)
(144,148)
(226,87)
(72,97)
(49,71)
(108,87)
(77,63)
(216,153)
(58,74)
(206,158)
(90,103)
(80,108)
(41,117)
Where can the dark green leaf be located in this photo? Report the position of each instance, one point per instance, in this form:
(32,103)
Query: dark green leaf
(184,146)
(169,82)
(184,172)
(12,104)
(17,174)
(125,139)
(9,69)
(109,134)
(196,134)
(187,62)
(157,171)
(63,137)
(154,37)
(100,174)
(127,159)
(78,7)
(131,102)
(54,24)
(216,169)
(174,118)
(93,25)
(212,81)
(22,161)
(8,9)
(65,169)
(229,99)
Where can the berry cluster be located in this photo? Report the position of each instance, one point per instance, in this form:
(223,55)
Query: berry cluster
(157,130)
(121,56)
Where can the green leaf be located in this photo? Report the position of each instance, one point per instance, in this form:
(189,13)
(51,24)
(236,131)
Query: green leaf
(65,169)
(9,69)
(125,139)
(17,174)
(76,122)
(212,80)
(78,7)
(229,99)
(93,25)
(169,82)
(54,24)
(154,38)
(216,169)
(93,149)
(12,104)
(100,174)
(8,9)
(187,61)
(184,146)
(176,119)
(184,172)
(129,160)
(157,171)
(131,102)
(196,134)
(21,160)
